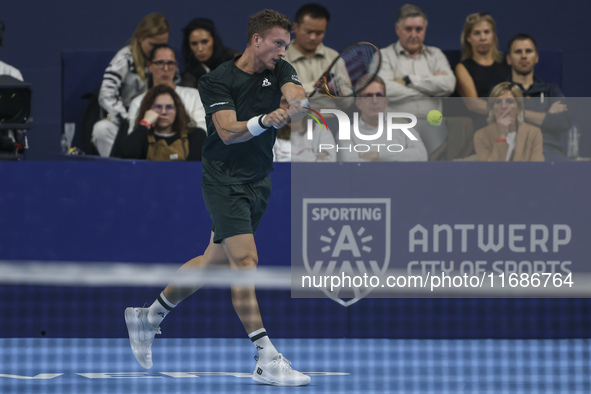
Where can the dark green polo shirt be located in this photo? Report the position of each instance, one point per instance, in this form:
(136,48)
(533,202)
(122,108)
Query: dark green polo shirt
(229,88)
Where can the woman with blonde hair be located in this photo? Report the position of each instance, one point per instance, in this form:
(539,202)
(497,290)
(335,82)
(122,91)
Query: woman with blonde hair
(508,137)
(482,65)
(125,78)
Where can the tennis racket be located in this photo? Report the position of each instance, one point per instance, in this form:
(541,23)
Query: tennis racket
(354,69)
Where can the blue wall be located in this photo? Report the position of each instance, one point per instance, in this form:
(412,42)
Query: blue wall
(153,212)
(37,32)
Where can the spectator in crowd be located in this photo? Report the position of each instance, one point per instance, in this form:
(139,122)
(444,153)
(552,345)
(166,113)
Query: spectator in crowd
(482,65)
(162,66)
(543,106)
(508,137)
(372,103)
(203,50)
(7,69)
(125,78)
(293,143)
(414,74)
(9,137)
(160,131)
(306,53)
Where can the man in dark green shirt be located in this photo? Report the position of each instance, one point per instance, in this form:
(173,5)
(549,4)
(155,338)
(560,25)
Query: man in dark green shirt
(241,100)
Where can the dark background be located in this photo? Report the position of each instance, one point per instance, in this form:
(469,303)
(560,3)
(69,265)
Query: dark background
(37,33)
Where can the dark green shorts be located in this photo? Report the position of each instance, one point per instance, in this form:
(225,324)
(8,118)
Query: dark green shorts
(236,209)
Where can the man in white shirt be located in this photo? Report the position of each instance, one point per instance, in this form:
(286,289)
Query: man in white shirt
(7,69)
(413,70)
(306,53)
(372,103)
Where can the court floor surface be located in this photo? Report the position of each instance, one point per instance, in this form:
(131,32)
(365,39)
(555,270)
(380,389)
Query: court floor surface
(85,365)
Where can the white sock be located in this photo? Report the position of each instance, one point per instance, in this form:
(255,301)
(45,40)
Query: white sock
(262,343)
(159,309)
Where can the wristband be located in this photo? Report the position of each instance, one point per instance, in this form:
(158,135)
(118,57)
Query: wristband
(263,125)
(500,140)
(255,125)
(261,122)
(145,123)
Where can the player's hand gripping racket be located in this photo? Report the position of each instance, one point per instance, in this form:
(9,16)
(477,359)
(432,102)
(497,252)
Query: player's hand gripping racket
(354,69)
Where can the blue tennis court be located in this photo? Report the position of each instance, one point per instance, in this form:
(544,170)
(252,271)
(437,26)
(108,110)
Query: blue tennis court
(336,366)
(71,338)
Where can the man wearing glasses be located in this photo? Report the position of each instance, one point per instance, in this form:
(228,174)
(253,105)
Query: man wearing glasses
(162,67)
(372,104)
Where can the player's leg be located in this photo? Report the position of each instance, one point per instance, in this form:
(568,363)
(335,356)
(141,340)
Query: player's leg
(214,255)
(272,367)
(241,252)
(143,323)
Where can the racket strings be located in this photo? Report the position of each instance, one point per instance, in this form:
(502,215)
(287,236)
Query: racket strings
(357,66)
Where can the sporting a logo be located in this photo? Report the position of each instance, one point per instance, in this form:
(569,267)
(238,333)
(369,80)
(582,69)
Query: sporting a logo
(346,236)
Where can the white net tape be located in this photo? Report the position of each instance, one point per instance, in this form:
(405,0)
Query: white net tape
(393,283)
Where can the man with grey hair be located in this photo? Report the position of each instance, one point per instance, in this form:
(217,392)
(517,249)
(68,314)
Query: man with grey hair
(413,70)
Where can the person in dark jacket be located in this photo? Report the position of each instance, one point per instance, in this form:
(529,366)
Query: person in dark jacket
(203,50)
(544,107)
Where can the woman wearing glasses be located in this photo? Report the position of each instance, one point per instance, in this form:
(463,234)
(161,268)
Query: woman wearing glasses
(162,66)
(125,78)
(482,66)
(508,137)
(161,130)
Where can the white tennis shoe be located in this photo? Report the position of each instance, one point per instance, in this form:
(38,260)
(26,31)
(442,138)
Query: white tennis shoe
(278,372)
(141,335)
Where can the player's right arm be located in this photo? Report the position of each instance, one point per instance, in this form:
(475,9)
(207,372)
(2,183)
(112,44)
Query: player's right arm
(232,131)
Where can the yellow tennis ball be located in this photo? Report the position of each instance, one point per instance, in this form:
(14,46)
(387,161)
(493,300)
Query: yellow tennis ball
(434,117)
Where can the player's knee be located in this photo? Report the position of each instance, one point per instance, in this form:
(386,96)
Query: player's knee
(247,261)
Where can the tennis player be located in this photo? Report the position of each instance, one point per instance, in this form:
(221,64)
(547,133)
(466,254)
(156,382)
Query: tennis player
(241,99)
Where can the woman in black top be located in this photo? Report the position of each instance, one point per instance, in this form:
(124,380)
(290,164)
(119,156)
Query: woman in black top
(161,131)
(203,50)
(482,66)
